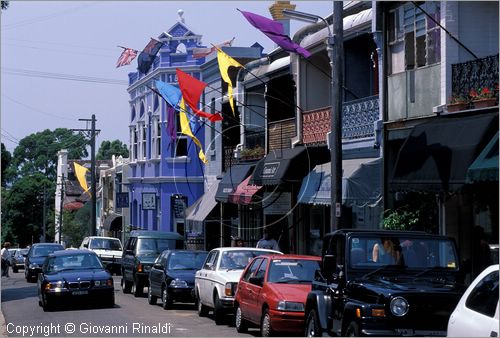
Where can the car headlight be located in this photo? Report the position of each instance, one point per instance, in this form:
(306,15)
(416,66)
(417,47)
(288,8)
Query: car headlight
(230,289)
(178,283)
(399,306)
(57,286)
(34,266)
(290,306)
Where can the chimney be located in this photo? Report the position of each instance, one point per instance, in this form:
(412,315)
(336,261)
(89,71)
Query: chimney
(276,12)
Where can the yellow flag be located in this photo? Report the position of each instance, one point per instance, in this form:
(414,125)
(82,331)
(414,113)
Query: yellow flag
(186,130)
(80,172)
(225,61)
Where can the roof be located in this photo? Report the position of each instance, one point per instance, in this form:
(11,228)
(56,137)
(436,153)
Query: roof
(45,244)
(245,248)
(304,257)
(103,237)
(71,252)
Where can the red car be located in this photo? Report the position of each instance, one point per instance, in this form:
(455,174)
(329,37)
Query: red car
(272,292)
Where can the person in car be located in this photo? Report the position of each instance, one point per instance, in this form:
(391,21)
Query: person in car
(390,253)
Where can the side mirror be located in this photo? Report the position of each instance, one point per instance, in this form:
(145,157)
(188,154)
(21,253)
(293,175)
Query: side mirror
(329,265)
(158,266)
(256,280)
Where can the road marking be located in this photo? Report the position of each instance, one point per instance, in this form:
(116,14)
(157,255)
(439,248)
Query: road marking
(181,329)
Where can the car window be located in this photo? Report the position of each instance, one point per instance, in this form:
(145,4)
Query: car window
(211,260)
(186,260)
(252,269)
(238,259)
(105,244)
(72,262)
(484,297)
(261,272)
(292,271)
(45,250)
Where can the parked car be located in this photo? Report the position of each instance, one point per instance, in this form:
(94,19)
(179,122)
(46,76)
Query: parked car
(35,258)
(74,276)
(384,283)
(18,259)
(272,292)
(172,276)
(108,249)
(476,314)
(216,282)
(141,250)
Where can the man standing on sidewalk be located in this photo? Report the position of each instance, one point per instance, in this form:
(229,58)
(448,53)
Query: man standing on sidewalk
(5,259)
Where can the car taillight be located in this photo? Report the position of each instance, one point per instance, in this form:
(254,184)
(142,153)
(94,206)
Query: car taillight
(139,268)
(110,282)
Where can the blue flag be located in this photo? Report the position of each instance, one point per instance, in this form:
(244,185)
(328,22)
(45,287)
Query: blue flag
(147,56)
(170,93)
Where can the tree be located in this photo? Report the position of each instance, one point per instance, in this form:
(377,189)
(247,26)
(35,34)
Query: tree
(6,159)
(5,5)
(38,152)
(110,148)
(75,225)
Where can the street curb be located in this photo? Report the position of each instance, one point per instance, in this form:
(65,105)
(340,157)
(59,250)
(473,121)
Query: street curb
(3,325)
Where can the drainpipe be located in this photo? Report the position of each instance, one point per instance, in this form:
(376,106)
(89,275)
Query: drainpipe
(294,61)
(241,97)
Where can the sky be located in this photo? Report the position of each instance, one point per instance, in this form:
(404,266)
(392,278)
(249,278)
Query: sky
(58,58)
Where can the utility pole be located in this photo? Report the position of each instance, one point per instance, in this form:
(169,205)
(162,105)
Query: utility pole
(44,221)
(91,134)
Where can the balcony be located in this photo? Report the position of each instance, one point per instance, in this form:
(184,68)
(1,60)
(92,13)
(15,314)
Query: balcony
(475,74)
(358,119)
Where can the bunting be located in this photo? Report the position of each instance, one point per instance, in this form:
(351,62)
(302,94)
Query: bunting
(80,172)
(274,30)
(199,53)
(127,56)
(186,130)
(147,56)
(226,61)
(192,89)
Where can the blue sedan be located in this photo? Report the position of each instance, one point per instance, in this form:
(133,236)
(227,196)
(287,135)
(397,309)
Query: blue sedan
(74,276)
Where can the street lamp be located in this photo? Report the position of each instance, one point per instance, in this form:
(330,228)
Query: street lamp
(336,55)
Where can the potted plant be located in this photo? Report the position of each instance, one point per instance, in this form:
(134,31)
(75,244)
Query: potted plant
(252,153)
(457,103)
(483,97)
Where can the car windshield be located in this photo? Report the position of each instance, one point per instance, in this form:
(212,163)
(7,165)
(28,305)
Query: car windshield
(45,250)
(105,244)
(186,260)
(238,259)
(77,261)
(402,251)
(22,252)
(155,245)
(292,271)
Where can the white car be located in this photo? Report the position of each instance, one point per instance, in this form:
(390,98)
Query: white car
(476,314)
(109,250)
(216,282)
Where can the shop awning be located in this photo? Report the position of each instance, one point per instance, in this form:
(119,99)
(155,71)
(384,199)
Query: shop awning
(199,210)
(231,179)
(437,154)
(485,167)
(360,183)
(288,165)
(244,192)
(113,222)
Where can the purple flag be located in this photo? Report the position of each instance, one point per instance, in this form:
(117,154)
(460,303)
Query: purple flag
(274,31)
(171,125)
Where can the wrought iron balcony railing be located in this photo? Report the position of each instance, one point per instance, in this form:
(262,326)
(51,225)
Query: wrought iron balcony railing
(475,74)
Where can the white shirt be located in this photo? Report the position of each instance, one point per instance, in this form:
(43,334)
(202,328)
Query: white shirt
(5,254)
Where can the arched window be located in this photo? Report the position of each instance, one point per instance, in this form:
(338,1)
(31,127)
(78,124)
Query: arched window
(181,48)
(156,103)
(132,116)
(142,110)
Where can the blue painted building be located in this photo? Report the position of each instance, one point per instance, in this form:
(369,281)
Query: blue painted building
(166,175)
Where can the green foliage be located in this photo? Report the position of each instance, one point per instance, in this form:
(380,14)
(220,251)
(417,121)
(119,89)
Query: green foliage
(400,219)
(75,226)
(6,159)
(38,152)
(5,5)
(110,148)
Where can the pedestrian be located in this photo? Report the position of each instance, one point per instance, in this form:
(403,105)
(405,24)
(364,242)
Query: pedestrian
(267,242)
(481,255)
(6,258)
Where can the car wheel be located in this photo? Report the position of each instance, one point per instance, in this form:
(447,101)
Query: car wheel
(218,311)
(45,304)
(138,288)
(151,299)
(202,309)
(126,285)
(265,325)
(352,330)
(15,270)
(239,322)
(312,325)
(166,300)
(111,301)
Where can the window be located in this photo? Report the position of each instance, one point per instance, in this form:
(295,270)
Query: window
(142,142)
(484,297)
(262,270)
(156,139)
(211,260)
(251,270)
(181,148)
(414,38)
(133,144)
(212,125)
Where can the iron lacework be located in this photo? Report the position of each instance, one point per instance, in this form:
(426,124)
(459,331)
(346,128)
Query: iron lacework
(474,74)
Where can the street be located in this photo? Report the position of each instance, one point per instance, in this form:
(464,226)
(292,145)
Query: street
(130,317)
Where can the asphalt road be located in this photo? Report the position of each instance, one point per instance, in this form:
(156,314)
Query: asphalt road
(132,317)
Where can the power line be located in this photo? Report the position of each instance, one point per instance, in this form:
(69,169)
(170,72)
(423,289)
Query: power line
(66,51)
(61,76)
(61,44)
(34,109)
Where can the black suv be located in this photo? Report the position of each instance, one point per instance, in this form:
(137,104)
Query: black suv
(384,283)
(140,252)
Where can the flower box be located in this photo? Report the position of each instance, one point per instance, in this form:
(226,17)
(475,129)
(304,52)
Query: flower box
(454,107)
(484,103)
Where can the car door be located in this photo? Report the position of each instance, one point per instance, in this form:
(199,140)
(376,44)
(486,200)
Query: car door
(156,274)
(128,259)
(201,276)
(254,290)
(244,287)
(210,279)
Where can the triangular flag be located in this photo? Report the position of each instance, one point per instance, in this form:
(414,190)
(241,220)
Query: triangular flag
(225,61)
(192,89)
(80,172)
(201,52)
(148,54)
(186,130)
(126,57)
(170,93)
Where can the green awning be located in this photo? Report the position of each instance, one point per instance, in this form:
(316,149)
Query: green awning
(485,166)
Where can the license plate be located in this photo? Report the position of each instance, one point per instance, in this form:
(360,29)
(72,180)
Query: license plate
(79,293)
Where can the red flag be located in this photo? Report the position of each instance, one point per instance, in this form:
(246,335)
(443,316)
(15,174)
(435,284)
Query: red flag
(198,53)
(126,57)
(192,89)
